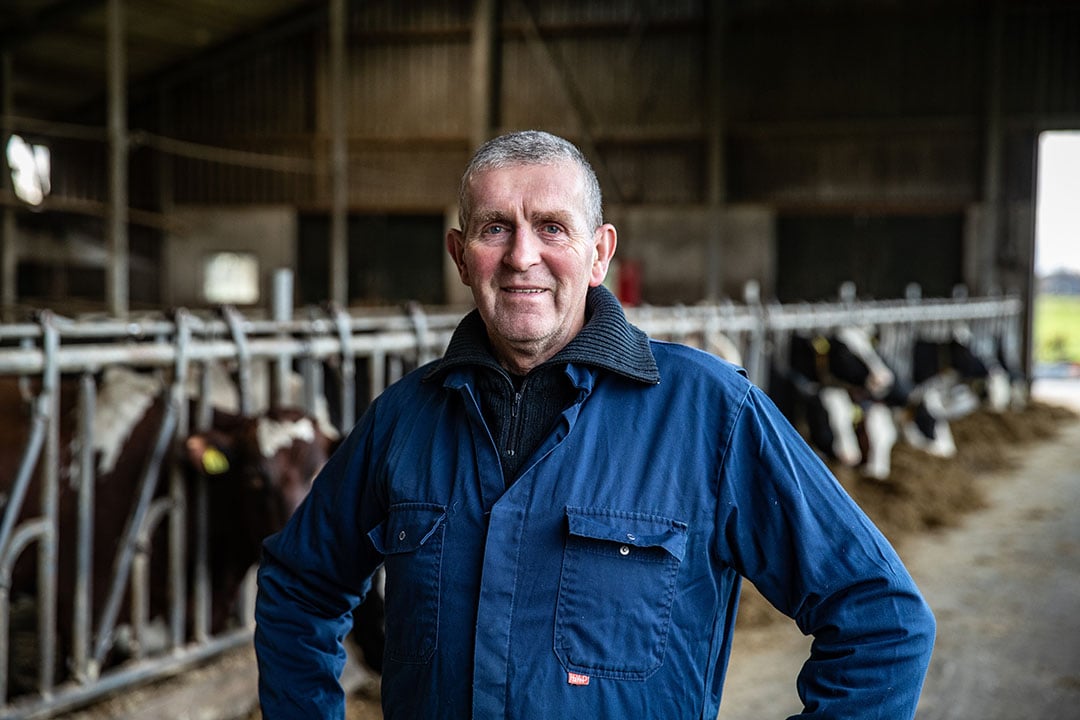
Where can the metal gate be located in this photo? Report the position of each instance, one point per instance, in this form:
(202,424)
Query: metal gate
(375,347)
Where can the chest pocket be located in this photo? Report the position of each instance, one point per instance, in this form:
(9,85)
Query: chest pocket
(616,592)
(411,539)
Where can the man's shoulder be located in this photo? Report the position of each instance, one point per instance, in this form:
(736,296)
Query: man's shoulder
(411,387)
(677,357)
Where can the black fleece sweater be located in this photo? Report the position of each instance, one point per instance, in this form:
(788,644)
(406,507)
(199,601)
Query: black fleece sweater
(521,410)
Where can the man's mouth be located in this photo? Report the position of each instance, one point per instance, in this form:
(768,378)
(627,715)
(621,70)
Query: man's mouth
(524,291)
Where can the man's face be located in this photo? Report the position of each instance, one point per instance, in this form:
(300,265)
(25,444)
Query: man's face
(529,256)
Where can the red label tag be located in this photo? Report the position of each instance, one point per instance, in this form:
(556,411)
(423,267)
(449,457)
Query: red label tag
(576,679)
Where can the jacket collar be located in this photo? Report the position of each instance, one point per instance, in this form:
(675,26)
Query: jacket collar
(607,341)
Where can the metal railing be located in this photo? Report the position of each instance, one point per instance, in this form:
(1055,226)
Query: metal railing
(759,332)
(373,347)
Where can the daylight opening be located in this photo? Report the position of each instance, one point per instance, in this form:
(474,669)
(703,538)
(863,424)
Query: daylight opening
(1057,257)
(30,170)
(231,278)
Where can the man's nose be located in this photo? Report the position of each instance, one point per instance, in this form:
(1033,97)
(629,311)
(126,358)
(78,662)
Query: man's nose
(524,249)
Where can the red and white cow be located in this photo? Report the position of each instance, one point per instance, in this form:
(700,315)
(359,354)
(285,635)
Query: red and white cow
(258,468)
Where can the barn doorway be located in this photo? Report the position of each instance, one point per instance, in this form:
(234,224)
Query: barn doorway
(1056,311)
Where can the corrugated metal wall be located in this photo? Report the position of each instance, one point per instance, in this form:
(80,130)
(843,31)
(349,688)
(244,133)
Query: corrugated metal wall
(261,104)
(887,105)
(875,108)
(1041,74)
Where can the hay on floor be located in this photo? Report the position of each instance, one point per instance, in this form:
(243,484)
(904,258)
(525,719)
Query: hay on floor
(925,493)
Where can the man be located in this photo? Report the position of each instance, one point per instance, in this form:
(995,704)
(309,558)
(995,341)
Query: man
(565,508)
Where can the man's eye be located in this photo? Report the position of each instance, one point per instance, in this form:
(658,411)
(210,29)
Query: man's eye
(494,229)
(552,229)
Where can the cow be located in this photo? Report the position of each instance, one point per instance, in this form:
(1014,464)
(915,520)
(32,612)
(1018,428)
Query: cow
(923,418)
(823,414)
(844,358)
(367,633)
(258,470)
(724,347)
(832,387)
(965,377)
(854,408)
(222,384)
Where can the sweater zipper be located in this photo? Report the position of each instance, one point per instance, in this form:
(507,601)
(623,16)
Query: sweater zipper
(513,436)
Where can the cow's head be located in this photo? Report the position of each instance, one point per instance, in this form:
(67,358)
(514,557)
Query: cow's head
(928,428)
(846,357)
(261,466)
(856,356)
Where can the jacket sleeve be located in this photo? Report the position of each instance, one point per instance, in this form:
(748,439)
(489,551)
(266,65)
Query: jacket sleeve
(312,574)
(795,533)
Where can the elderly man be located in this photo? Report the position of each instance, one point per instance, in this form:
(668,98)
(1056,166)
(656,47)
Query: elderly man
(565,508)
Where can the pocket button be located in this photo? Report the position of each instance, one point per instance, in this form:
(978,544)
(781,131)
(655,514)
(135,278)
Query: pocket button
(624,550)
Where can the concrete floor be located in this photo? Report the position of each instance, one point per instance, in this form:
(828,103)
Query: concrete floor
(1005,588)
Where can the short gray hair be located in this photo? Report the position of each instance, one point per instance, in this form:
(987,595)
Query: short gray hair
(530,147)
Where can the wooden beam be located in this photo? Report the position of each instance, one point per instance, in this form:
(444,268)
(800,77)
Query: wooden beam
(577,103)
(485,72)
(54,203)
(116,276)
(715,122)
(9,259)
(339,158)
(981,272)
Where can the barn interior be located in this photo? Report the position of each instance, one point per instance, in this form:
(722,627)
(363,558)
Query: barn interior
(185,152)
(799,146)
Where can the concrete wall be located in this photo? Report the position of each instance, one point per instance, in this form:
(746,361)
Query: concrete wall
(672,246)
(269,233)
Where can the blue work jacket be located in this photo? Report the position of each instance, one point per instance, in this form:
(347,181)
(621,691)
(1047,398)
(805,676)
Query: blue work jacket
(604,581)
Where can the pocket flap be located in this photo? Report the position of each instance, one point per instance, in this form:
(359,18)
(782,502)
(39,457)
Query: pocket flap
(634,529)
(407,527)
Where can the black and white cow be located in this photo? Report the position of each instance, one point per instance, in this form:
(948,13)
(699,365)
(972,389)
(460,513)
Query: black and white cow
(922,417)
(833,387)
(965,378)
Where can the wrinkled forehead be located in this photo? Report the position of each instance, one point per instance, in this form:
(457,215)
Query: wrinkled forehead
(549,187)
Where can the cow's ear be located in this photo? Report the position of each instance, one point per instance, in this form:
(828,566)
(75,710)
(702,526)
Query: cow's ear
(205,456)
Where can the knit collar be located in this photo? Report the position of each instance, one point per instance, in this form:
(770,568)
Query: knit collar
(607,341)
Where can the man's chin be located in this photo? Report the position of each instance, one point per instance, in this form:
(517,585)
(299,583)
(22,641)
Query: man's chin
(523,326)
(525,336)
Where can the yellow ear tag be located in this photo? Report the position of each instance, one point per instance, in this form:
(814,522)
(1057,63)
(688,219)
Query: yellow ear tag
(214,462)
(821,345)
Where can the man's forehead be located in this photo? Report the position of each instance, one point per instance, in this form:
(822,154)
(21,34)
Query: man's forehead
(551,186)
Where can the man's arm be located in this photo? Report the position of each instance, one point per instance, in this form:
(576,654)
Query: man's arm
(298,643)
(814,554)
(313,573)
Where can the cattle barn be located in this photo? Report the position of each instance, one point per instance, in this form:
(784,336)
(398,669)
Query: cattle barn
(223,234)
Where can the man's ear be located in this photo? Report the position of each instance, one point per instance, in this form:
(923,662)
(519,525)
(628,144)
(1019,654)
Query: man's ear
(604,241)
(455,245)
